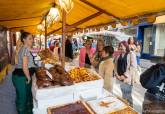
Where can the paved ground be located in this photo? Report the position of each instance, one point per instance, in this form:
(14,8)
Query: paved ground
(137,94)
(7,96)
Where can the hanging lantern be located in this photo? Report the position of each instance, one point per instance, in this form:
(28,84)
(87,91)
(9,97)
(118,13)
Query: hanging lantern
(69,34)
(97,29)
(124,23)
(53,15)
(113,25)
(86,30)
(81,30)
(135,22)
(67,5)
(40,27)
(93,29)
(151,19)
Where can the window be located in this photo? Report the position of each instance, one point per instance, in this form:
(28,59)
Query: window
(160,40)
(147,40)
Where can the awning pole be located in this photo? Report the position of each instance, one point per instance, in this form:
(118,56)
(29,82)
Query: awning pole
(45,33)
(40,41)
(63,37)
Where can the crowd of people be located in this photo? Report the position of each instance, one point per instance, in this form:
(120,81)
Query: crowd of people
(124,65)
(92,54)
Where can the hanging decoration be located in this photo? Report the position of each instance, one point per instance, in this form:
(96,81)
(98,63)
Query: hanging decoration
(93,29)
(54,14)
(113,25)
(67,5)
(52,17)
(151,19)
(105,27)
(86,30)
(135,22)
(97,29)
(40,27)
(81,30)
(124,23)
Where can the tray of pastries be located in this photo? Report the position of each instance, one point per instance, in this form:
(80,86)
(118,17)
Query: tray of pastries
(47,57)
(45,54)
(55,76)
(82,75)
(59,75)
(43,80)
(78,107)
(107,105)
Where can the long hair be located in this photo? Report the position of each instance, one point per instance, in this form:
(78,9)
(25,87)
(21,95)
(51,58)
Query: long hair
(24,35)
(125,45)
(129,40)
(89,41)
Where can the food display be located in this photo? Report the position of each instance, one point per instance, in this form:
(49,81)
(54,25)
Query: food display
(45,54)
(82,75)
(74,108)
(59,77)
(43,80)
(47,57)
(107,105)
(44,83)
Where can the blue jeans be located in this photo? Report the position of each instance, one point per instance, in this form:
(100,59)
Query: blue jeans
(126,90)
(138,60)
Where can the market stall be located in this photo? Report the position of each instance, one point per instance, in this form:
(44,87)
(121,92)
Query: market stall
(56,87)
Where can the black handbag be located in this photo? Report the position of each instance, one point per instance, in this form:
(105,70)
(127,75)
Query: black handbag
(161,92)
(153,76)
(153,79)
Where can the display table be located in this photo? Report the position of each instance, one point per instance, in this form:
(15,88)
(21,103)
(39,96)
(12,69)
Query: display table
(58,95)
(94,106)
(90,92)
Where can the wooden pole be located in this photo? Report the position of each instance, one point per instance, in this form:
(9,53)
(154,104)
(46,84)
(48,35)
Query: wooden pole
(11,46)
(40,41)
(63,37)
(45,32)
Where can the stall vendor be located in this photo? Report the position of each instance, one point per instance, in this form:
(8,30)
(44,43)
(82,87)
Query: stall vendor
(22,75)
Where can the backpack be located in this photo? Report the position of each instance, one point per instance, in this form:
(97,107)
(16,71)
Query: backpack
(153,77)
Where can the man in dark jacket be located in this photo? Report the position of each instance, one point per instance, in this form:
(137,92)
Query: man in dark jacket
(68,48)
